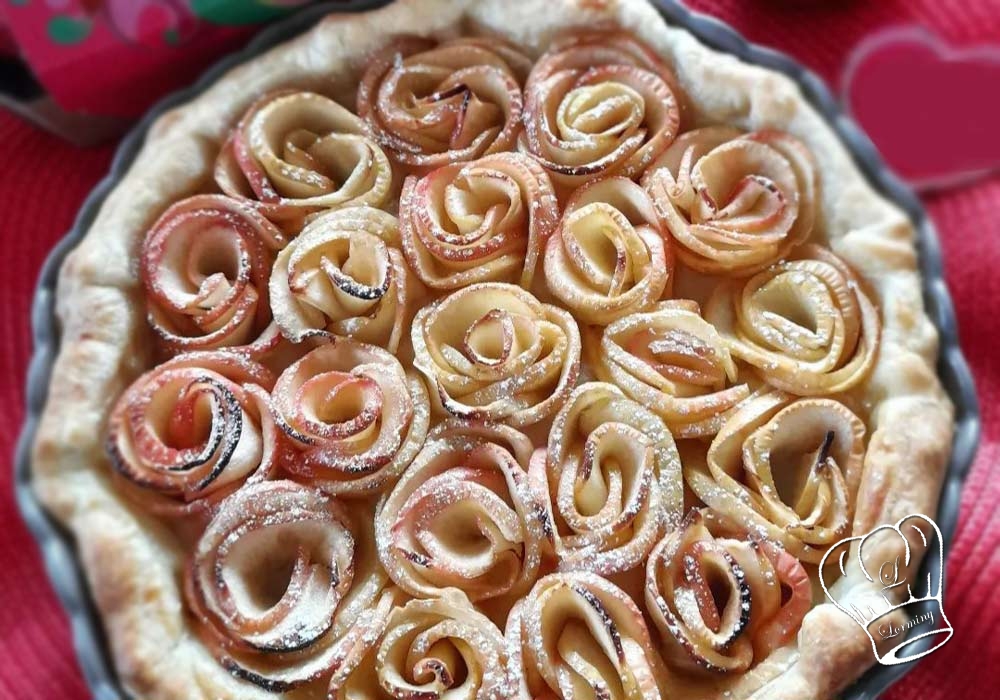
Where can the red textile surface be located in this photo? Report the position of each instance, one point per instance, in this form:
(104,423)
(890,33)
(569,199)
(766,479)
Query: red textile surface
(43,181)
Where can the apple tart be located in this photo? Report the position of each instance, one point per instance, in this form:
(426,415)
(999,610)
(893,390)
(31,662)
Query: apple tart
(489,351)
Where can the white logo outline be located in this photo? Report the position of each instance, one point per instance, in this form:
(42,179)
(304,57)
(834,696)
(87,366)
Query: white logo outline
(866,618)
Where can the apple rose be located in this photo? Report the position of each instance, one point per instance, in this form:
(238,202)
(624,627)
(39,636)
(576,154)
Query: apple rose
(284,586)
(354,419)
(190,431)
(462,516)
(578,636)
(734,202)
(344,274)
(431,650)
(492,352)
(598,103)
(432,104)
(610,481)
(805,324)
(674,362)
(789,469)
(723,603)
(296,153)
(609,256)
(205,265)
(484,221)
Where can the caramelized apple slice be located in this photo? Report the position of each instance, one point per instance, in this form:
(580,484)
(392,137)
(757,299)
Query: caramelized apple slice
(462,516)
(804,324)
(789,469)
(609,256)
(204,266)
(577,635)
(432,104)
(723,603)
(598,103)
(285,587)
(345,275)
(190,431)
(734,203)
(297,153)
(610,481)
(493,352)
(673,361)
(484,221)
(353,418)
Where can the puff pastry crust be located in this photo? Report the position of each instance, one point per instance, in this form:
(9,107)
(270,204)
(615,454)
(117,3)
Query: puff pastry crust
(706,163)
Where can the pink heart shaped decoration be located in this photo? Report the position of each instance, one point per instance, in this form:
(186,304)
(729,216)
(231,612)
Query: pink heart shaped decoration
(932,110)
